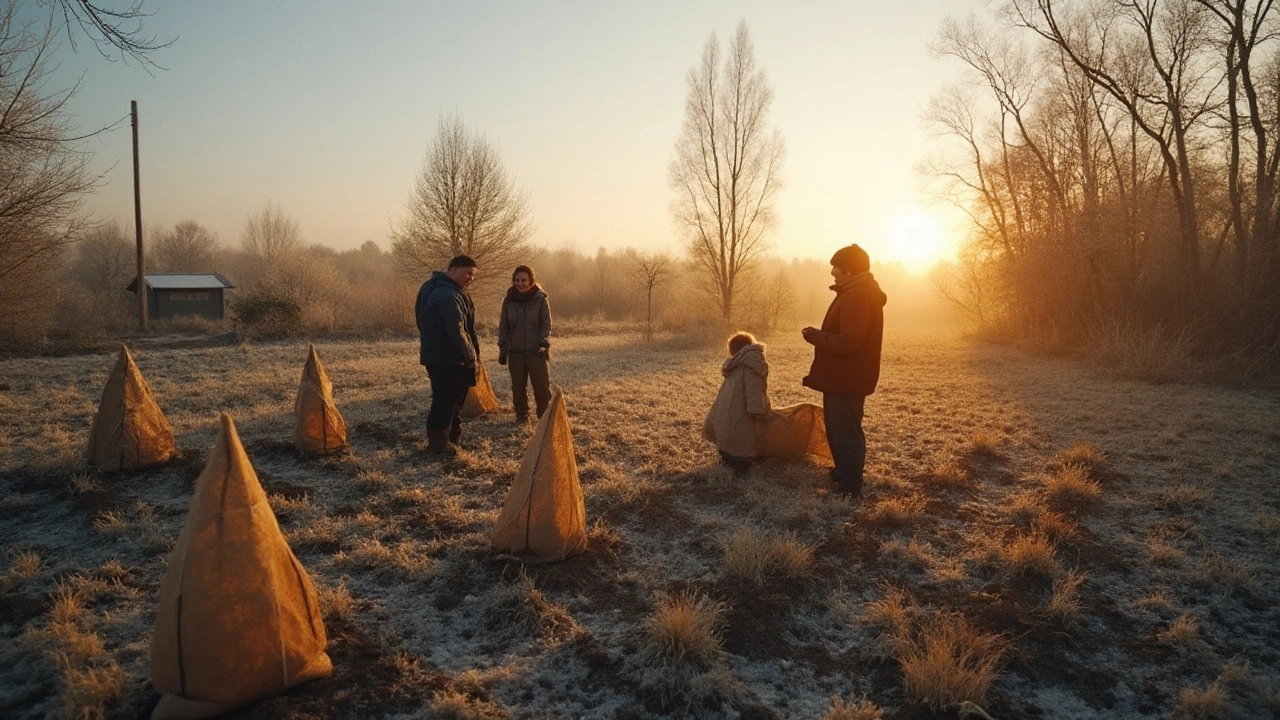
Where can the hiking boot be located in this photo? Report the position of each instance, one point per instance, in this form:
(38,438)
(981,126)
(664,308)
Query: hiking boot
(438,443)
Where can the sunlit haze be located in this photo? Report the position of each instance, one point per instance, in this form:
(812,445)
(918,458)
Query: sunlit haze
(327,109)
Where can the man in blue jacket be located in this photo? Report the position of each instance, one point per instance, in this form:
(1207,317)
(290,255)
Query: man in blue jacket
(446,320)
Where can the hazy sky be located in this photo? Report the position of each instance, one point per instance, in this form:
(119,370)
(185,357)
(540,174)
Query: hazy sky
(327,108)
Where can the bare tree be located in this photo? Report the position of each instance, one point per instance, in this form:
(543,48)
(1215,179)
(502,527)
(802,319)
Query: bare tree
(118,29)
(462,202)
(727,165)
(44,172)
(651,271)
(1147,55)
(188,248)
(270,235)
(101,268)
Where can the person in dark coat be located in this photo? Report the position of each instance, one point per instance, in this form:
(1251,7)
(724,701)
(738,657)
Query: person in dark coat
(446,320)
(846,362)
(524,342)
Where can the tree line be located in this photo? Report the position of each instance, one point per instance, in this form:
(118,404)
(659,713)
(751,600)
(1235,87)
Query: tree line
(1118,161)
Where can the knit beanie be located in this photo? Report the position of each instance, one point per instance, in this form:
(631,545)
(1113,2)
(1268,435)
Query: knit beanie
(851,259)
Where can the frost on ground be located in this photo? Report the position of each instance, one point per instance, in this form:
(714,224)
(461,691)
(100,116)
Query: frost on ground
(1036,540)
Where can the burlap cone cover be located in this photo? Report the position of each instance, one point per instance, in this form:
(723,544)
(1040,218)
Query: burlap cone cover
(129,430)
(480,399)
(318,426)
(543,518)
(795,431)
(238,618)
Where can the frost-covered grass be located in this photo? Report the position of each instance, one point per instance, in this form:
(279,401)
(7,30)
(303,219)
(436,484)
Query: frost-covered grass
(1034,540)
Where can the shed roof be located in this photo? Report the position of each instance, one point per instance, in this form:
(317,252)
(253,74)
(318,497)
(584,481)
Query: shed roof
(175,281)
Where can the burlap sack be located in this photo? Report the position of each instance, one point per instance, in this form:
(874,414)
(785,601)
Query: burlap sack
(480,399)
(129,430)
(795,431)
(238,618)
(544,518)
(318,426)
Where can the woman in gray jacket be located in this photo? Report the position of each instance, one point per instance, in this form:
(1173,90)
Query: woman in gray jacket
(524,341)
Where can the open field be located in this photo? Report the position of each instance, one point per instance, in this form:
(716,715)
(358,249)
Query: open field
(1036,540)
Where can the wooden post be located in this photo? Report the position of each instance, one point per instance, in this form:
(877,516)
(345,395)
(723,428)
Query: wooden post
(137,223)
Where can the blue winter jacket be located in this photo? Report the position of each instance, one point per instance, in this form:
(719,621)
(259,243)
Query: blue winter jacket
(446,323)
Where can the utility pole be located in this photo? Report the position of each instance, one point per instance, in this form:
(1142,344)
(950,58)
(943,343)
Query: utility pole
(137,223)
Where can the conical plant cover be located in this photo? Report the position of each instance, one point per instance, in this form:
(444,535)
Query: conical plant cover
(238,619)
(129,430)
(480,399)
(543,518)
(319,428)
(795,431)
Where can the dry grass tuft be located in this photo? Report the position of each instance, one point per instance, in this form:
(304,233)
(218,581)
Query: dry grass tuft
(1031,554)
(745,555)
(1184,497)
(1209,703)
(1024,508)
(452,704)
(372,480)
(897,511)
(336,601)
(1055,526)
(686,626)
(1218,571)
(1157,601)
(946,662)
(894,614)
(23,565)
(861,709)
(913,553)
(753,556)
(88,691)
(1236,673)
(522,604)
(1065,602)
(949,475)
(603,537)
(1083,453)
(1182,634)
(984,444)
(1162,552)
(681,657)
(84,482)
(1071,486)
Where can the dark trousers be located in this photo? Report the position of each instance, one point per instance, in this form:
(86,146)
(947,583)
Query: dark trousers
(526,367)
(449,386)
(843,415)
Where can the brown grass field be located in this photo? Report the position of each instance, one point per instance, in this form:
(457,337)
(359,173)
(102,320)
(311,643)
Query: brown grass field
(1037,539)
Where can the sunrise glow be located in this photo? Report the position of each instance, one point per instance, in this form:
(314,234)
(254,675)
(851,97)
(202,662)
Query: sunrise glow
(917,240)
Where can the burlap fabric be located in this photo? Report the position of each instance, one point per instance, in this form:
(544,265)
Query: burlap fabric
(544,518)
(129,430)
(480,399)
(318,426)
(238,618)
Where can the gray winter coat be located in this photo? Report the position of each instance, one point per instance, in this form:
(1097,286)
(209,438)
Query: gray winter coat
(524,326)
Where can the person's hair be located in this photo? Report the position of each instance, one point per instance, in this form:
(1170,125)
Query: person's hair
(463,261)
(740,340)
(524,269)
(851,259)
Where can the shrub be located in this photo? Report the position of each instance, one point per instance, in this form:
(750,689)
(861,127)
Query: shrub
(267,315)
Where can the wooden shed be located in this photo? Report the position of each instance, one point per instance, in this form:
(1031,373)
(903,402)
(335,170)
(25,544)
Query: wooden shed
(176,295)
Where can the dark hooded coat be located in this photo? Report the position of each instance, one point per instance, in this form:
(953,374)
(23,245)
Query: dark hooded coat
(846,357)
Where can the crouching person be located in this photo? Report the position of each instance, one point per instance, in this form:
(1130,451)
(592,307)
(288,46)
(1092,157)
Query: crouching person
(736,420)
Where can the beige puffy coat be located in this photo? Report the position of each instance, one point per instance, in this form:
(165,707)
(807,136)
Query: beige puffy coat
(745,391)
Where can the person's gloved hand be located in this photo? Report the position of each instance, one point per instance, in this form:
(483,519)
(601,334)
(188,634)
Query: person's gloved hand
(502,358)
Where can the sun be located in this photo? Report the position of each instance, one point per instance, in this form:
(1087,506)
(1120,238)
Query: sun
(917,241)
